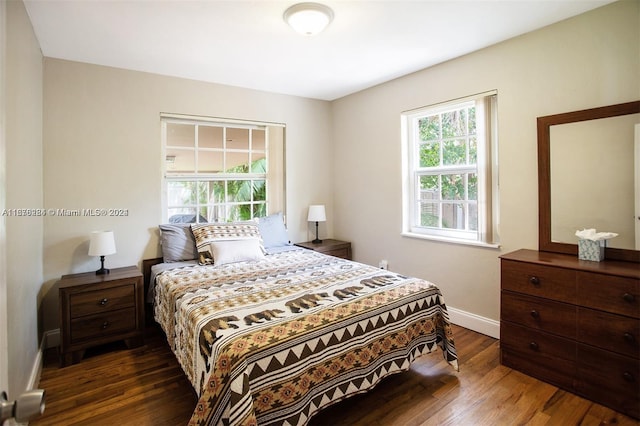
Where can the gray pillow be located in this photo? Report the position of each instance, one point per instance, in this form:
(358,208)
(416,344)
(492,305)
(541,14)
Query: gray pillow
(273,231)
(178,243)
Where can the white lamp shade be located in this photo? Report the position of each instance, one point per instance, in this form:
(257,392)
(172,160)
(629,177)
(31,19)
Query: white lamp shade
(102,243)
(316,214)
(308,18)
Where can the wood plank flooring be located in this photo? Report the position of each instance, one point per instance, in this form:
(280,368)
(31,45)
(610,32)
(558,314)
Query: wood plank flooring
(145,386)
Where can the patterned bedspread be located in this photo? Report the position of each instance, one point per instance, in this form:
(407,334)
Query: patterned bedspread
(274,341)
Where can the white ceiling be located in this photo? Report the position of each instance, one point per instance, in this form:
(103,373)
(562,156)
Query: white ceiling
(247,43)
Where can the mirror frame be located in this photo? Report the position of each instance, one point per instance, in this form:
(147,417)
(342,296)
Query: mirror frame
(544,177)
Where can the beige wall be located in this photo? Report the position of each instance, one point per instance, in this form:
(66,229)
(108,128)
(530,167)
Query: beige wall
(23,189)
(102,149)
(588,61)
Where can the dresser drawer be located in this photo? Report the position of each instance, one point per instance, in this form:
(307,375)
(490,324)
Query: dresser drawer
(95,326)
(540,314)
(611,379)
(609,331)
(107,299)
(619,295)
(547,357)
(538,280)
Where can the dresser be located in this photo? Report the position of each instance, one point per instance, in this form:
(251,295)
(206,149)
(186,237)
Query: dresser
(331,247)
(574,324)
(98,309)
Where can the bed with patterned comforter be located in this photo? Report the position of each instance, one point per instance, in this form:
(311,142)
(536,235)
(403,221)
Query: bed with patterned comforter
(274,341)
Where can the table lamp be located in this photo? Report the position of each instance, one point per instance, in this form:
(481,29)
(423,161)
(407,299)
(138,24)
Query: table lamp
(316,214)
(102,244)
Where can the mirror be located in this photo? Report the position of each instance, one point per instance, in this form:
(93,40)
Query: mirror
(585,183)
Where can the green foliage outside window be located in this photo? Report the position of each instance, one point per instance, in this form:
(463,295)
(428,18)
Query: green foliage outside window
(245,197)
(447,140)
(248,190)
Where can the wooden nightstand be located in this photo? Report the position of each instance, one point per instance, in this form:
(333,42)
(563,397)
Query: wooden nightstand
(331,247)
(98,309)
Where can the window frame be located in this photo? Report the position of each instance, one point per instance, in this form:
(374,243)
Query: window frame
(198,176)
(485,168)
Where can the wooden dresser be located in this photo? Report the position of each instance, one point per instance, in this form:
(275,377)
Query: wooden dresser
(574,324)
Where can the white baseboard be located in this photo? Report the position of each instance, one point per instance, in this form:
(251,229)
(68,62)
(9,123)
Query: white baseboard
(36,370)
(474,322)
(50,339)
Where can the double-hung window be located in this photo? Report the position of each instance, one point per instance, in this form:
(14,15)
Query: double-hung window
(221,171)
(450,171)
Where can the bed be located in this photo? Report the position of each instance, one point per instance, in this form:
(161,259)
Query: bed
(270,333)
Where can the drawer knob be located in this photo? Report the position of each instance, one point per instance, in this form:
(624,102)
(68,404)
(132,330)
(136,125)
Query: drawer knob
(105,325)
(534,280)
(104,301)
(628,377)
(533,346)
(629,338)
(628,298)
(535,314)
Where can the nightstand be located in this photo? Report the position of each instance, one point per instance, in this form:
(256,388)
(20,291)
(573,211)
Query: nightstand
(331,247)
(98,309)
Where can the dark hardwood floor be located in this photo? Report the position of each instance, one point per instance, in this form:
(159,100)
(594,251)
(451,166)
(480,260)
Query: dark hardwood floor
(145,386)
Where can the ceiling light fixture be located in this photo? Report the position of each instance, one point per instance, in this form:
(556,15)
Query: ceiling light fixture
(308,18)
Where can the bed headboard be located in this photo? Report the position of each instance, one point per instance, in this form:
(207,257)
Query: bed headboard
(146,271)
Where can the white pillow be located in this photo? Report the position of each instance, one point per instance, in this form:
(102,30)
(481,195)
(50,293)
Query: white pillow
(231,251)
(206,233)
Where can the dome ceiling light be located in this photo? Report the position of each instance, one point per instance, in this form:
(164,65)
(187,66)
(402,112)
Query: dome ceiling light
(308,18)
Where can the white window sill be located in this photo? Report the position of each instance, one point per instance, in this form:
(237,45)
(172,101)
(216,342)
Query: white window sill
(451,240)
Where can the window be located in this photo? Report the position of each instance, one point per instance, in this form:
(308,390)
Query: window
(450,171)
(221,171)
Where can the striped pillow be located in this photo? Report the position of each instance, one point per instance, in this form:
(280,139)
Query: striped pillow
(207,233)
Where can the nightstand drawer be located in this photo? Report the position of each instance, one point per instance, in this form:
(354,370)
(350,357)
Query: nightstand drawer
(329,247)
(343,253)
(94,326)
(107,299)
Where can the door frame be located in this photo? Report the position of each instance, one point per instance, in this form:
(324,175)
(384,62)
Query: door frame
(4,348)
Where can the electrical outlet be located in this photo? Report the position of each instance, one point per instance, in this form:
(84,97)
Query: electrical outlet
(383,264)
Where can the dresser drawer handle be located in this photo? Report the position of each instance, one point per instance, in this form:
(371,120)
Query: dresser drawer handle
(533,346)
(534,280)
(629,338)
(628,298)
(104,301)
(105,325)
(535,314)
(628,377)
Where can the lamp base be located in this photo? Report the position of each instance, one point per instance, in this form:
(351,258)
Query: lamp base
(102,270)
(317,240)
